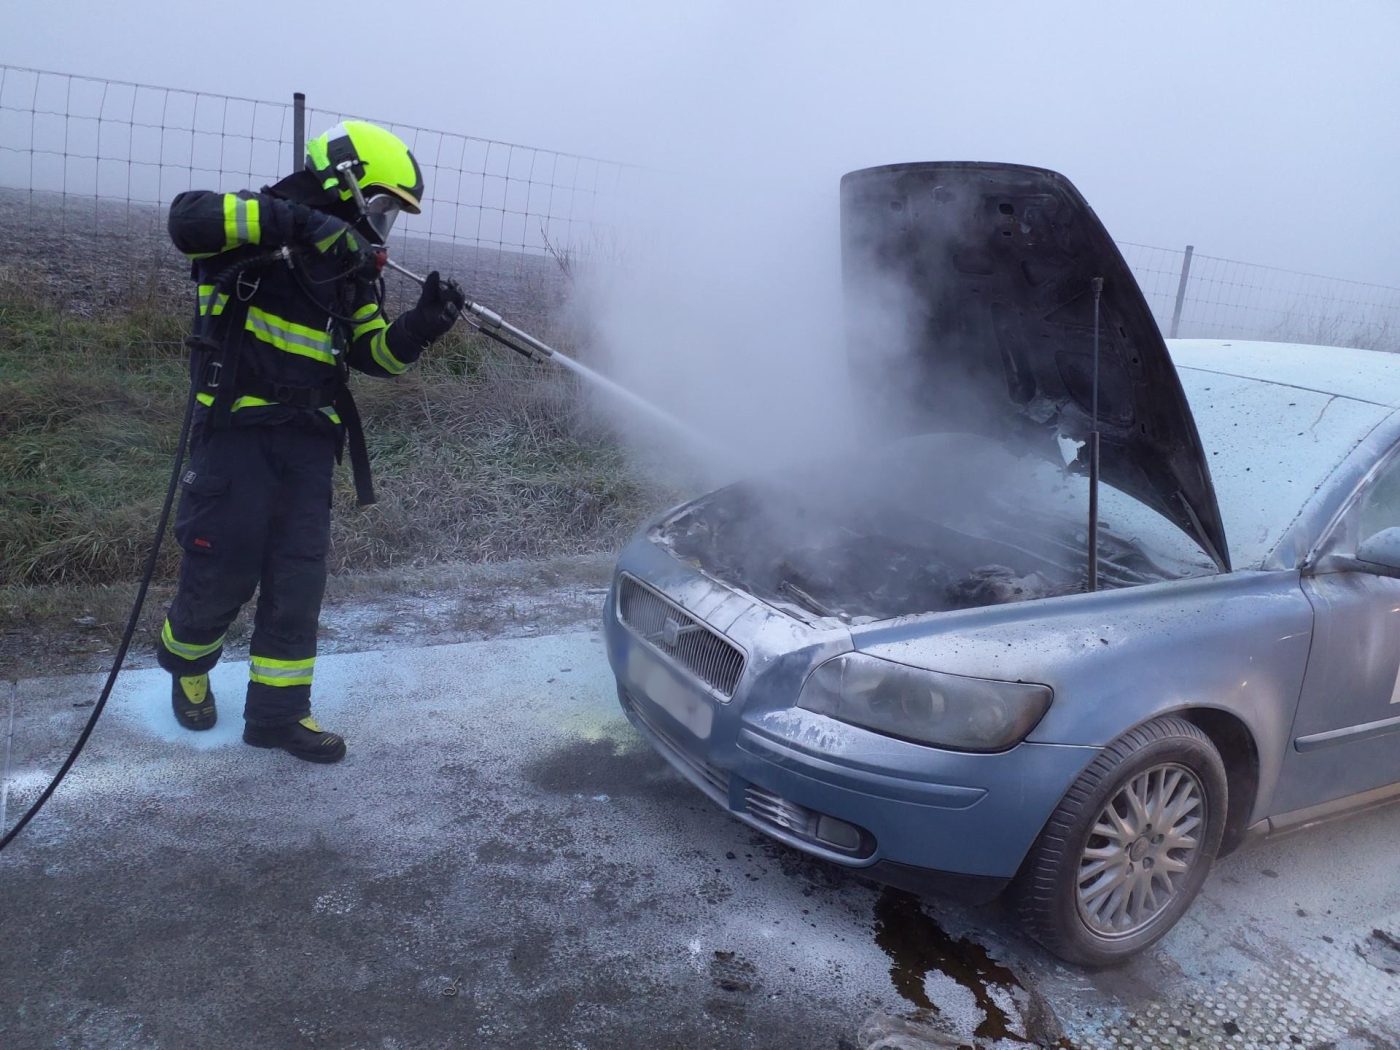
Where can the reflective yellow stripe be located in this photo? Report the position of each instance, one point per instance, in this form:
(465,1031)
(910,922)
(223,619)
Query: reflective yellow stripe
(253,218)
(370,318)
(208,299)
(289,336)
(264,679)
(366,327)
(312,336)
(242,221)
(372,321)
(267,671)
(207,400)
(351,241)
(285,665)
(230,221)
(379,350)
(185,650)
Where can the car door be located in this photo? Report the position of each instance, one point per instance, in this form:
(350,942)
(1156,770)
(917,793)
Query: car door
(1346,731)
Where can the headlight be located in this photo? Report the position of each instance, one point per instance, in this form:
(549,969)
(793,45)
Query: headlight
(947,710)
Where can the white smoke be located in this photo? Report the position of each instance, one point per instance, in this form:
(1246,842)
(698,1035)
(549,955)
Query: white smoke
(727,312)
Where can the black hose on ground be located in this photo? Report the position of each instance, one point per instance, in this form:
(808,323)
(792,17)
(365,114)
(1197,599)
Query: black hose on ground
(130,625)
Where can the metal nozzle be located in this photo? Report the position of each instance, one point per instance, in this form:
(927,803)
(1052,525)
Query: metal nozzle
(500,329)
(485,316)
(404,270)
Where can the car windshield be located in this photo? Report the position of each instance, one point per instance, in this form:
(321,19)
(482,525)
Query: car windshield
(1270,445)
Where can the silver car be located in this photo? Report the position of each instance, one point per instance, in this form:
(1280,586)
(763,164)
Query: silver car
(909,663)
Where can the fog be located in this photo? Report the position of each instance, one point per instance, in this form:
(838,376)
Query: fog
(1258,131)
(735,322)
(1255,130)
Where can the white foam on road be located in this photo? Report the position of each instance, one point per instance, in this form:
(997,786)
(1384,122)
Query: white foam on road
(448,745)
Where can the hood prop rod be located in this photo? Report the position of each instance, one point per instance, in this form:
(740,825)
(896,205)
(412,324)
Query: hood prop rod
(1093,583)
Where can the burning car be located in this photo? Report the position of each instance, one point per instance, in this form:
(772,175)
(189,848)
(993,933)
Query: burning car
(930,663)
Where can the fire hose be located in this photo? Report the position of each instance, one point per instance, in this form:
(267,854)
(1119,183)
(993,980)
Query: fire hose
(489,323)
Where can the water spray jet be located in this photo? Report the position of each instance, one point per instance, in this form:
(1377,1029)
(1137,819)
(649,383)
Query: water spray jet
(493,325)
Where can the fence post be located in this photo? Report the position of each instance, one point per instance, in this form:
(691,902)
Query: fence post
(298,131)
(1181,290)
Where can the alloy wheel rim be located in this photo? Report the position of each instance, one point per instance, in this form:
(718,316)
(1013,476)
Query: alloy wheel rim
(1140,850)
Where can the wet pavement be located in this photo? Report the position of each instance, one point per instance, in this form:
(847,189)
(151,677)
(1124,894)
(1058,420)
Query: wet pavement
(502,863)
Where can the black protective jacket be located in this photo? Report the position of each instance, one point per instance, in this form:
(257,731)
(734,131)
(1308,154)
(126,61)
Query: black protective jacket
(278,340)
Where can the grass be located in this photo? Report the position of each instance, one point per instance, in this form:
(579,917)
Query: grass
(478,455)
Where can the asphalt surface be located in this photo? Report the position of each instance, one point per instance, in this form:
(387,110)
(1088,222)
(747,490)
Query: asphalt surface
(501,862)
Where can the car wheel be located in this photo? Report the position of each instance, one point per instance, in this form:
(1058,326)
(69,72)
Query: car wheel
(1128,847)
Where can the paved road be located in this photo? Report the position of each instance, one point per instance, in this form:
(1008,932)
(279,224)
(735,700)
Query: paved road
(501,863)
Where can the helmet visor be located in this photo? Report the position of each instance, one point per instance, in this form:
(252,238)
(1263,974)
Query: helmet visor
(380,212)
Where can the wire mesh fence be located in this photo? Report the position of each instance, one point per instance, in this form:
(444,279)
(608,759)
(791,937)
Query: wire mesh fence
(512,220)
(87,167)
(1204,296)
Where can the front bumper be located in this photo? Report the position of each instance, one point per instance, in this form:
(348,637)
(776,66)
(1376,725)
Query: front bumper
(917,810)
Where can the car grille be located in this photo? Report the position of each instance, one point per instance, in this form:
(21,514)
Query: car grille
(772,809)
(679,636)
(765,807)
(715,777)
(806,824)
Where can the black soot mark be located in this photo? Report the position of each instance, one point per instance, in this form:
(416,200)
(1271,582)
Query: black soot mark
(918,946)
(600,767)
(1381,950)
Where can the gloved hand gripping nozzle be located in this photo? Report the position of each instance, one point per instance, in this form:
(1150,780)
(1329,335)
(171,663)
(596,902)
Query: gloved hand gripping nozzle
(490,323)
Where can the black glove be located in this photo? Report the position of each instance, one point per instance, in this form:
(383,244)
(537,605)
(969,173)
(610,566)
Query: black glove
(437,309)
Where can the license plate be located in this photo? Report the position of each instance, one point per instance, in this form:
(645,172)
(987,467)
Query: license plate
(658,685)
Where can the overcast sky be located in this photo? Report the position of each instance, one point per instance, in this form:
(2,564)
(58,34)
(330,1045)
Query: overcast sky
(1259,131)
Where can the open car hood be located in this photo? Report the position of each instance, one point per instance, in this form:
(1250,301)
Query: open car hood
(970,304)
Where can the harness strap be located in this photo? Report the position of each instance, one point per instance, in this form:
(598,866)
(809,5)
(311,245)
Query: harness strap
(251,384)
(215,365)
(355,438)
(219,372)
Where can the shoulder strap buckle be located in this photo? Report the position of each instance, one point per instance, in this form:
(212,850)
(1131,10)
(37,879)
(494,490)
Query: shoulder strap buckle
(246,288)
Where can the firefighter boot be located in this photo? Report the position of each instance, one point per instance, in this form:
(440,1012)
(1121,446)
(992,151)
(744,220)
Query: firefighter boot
(193,701)
(305,740)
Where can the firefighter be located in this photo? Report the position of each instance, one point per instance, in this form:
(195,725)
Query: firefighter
(288,301)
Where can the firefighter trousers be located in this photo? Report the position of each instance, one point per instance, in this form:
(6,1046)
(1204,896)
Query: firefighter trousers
(254,515)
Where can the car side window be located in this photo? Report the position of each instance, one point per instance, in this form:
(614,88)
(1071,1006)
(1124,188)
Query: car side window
(1379,506)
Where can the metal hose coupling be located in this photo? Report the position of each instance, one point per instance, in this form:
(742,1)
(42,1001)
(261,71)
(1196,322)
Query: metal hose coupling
(490,322)
(487,317)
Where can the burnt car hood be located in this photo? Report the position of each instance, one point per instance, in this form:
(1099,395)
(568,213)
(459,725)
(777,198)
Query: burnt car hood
(989,270)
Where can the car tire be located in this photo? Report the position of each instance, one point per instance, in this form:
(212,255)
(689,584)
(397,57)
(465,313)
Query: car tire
(1103,882)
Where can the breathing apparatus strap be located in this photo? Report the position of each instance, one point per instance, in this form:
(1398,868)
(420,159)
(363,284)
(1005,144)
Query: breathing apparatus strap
(304,188)
(214,342)
(224,380)
(349,414)
(216,352)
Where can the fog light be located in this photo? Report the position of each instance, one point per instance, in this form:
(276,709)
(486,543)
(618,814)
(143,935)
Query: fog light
(838,833)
